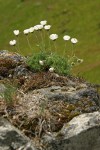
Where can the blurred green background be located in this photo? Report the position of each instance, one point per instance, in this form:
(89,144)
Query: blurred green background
(77,18)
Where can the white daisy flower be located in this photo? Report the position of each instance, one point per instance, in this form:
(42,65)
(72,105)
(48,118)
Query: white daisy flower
(47,27)
(74,40)
(31,29)
(66,37)
(44,22)
(39,26)
(26,31)
(41,62)
(36,28)
(12,43)
(51,69)
(53,36)
(16,32)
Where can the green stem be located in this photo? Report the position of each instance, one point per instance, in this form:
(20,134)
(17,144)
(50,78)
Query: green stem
(37,38)
(43,43)
(72,50)
(18,45)
(48,33)
(55,46)
(28,42)
(16,49)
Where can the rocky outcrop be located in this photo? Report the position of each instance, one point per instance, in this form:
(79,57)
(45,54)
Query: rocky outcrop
(70,94)
(56,112)
(81,133)
(12,139)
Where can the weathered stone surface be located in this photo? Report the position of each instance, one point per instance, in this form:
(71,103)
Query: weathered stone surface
(12,139)
(81,133)
(12,65)
(70,94)
(14,56)
(21,71)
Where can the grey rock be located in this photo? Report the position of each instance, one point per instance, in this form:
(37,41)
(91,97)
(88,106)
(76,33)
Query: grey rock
(81,133)
(71,83)
(90,93)
(14,56)
(3,52)
(70,94)
(20,70)
(12,139)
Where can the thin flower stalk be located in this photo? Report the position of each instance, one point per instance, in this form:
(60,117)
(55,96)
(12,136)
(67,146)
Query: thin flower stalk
(55,46)
(43,43)
(18,45)
(73,41)
(65,47)
(72,50)
(54,37)
(66,38)
(49,41)
(37,39)
(47,29)
(28,42)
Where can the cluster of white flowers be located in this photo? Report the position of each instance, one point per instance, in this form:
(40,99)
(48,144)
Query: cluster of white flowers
(42,25)
(65,38)
(73,40)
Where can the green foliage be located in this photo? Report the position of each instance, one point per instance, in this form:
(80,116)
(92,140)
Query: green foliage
(9,94)
(33,61)
(59,63)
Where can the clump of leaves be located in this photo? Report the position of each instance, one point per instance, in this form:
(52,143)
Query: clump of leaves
(60,64)
(33,61)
